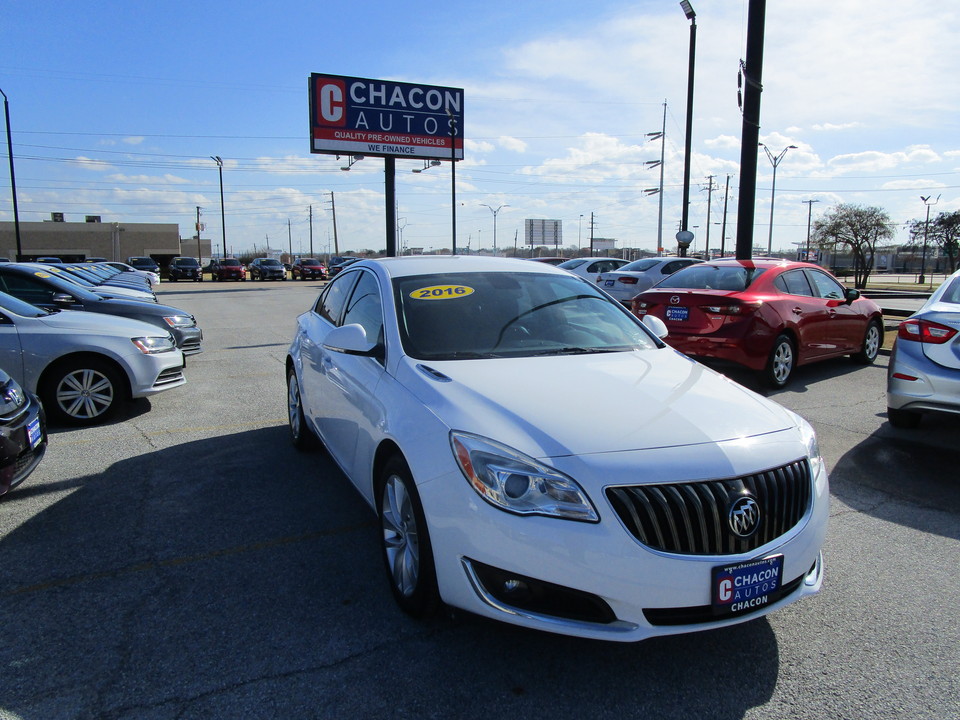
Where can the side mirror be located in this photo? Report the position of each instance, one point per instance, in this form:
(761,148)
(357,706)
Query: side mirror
(655,325)
(851,295)
(63,298)
(352,340)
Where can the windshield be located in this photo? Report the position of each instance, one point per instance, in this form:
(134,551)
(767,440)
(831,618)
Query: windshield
(270,262)
(734,278)
(309,261)
(230,262)
(186,262)
(19,307)
(457,316)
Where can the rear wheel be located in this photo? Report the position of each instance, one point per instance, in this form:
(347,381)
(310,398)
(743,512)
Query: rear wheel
(81,391)
(405,542)
(872,340)
(780,363)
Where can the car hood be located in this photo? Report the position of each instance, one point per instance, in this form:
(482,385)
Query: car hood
(593,403)
(80,321)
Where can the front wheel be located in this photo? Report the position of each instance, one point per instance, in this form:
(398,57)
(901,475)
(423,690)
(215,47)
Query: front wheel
(872,340)
(405,542)
(81,392)
(300,434)
(780,363)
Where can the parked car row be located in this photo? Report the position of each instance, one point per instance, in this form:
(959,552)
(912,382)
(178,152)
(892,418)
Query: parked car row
(77,340)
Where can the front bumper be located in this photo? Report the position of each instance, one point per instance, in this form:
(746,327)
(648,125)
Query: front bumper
(23,443)
(648,592)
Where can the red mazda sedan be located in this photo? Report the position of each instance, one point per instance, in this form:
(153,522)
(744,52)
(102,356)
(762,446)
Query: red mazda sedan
(766,315)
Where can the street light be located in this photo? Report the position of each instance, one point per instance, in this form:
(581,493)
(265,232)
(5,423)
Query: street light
(427,164)
(926,228)
(692,17)
(223,222)
(773,188)
(494,224)
(13,181)
(351,161)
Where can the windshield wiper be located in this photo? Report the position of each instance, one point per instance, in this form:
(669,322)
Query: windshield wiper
(574,351)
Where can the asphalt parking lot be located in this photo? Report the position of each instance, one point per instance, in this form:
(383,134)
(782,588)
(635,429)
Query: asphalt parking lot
(185,561)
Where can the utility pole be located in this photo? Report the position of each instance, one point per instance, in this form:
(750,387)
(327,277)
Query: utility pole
(723,227)
(809,214)
(199,258)
(289,241)
(333,209)
(311,231)
(750,133)
(591,233)
(706,250)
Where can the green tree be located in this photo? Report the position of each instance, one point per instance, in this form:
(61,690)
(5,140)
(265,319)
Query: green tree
(858,228)
(944,232)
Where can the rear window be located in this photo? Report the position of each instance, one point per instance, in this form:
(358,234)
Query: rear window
(712,277)
(640,265)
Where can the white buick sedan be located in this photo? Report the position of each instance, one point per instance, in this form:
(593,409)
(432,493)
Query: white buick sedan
(673,500)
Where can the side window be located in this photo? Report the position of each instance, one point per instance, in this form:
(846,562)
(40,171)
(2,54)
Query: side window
(671,267)
(826,286)
(334,296)
(794,283)
(364,307)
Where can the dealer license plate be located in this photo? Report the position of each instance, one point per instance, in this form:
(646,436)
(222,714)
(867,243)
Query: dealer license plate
(34,433)
(608,283)
(679,314)
(748,586)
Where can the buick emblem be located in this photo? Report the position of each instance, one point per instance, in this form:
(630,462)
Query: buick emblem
(674,299)
(744,516)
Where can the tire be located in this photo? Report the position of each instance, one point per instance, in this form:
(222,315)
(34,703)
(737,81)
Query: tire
(405,542)
(301,435)
(781,363)
(82,391)
(903,418)
(872,340)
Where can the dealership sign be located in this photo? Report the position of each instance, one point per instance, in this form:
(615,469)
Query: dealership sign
(356,116)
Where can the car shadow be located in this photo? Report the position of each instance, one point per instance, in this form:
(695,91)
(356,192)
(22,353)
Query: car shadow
(800,380)
(235,572)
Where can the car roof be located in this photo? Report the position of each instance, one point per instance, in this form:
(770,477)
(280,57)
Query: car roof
(437,264)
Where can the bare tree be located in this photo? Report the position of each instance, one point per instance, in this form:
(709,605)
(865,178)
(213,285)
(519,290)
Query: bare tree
(860,229)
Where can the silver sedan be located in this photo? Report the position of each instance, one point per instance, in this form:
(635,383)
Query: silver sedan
(924,370)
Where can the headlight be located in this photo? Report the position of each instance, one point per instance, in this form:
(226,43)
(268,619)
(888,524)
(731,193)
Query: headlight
(154,344)
(12,397)
(514,482)
(180,321)
(817,466)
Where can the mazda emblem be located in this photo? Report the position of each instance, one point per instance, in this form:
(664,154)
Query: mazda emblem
(674,299)
(744,516)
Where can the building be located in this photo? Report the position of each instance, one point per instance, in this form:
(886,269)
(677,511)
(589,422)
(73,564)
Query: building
(77,241)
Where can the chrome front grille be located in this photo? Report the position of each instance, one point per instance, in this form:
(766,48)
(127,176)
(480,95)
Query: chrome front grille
(693,518)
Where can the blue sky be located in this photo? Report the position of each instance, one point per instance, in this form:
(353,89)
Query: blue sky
(116,109)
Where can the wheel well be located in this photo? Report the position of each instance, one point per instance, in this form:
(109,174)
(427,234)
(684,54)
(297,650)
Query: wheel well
(81,357)
(387,450)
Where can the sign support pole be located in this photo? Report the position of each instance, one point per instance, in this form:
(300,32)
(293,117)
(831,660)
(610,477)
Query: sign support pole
(390,190)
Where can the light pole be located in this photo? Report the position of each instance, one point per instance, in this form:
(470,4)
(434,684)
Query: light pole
(13,180)
(223,221)
(494,224)
(579,233)
(773,188)
(809,214)
(684,211)
(926,228)
(453,184)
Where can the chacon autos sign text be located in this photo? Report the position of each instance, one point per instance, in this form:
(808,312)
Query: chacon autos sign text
(356,116)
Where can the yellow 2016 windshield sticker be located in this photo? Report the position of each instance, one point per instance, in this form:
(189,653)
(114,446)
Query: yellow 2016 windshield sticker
(41,274)
(441,292)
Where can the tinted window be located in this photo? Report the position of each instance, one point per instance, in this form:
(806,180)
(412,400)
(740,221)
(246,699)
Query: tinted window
(571,264)
(27,289)
(826,286)
(334,297)
(364,307)
(794,283)
(640,265)
(702,276)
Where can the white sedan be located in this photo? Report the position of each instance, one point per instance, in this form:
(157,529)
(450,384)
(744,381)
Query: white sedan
(628,281)
(591,267)
(675,501)
(81,364)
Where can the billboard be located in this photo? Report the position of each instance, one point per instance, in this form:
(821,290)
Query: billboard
(358,116)
(543,232)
